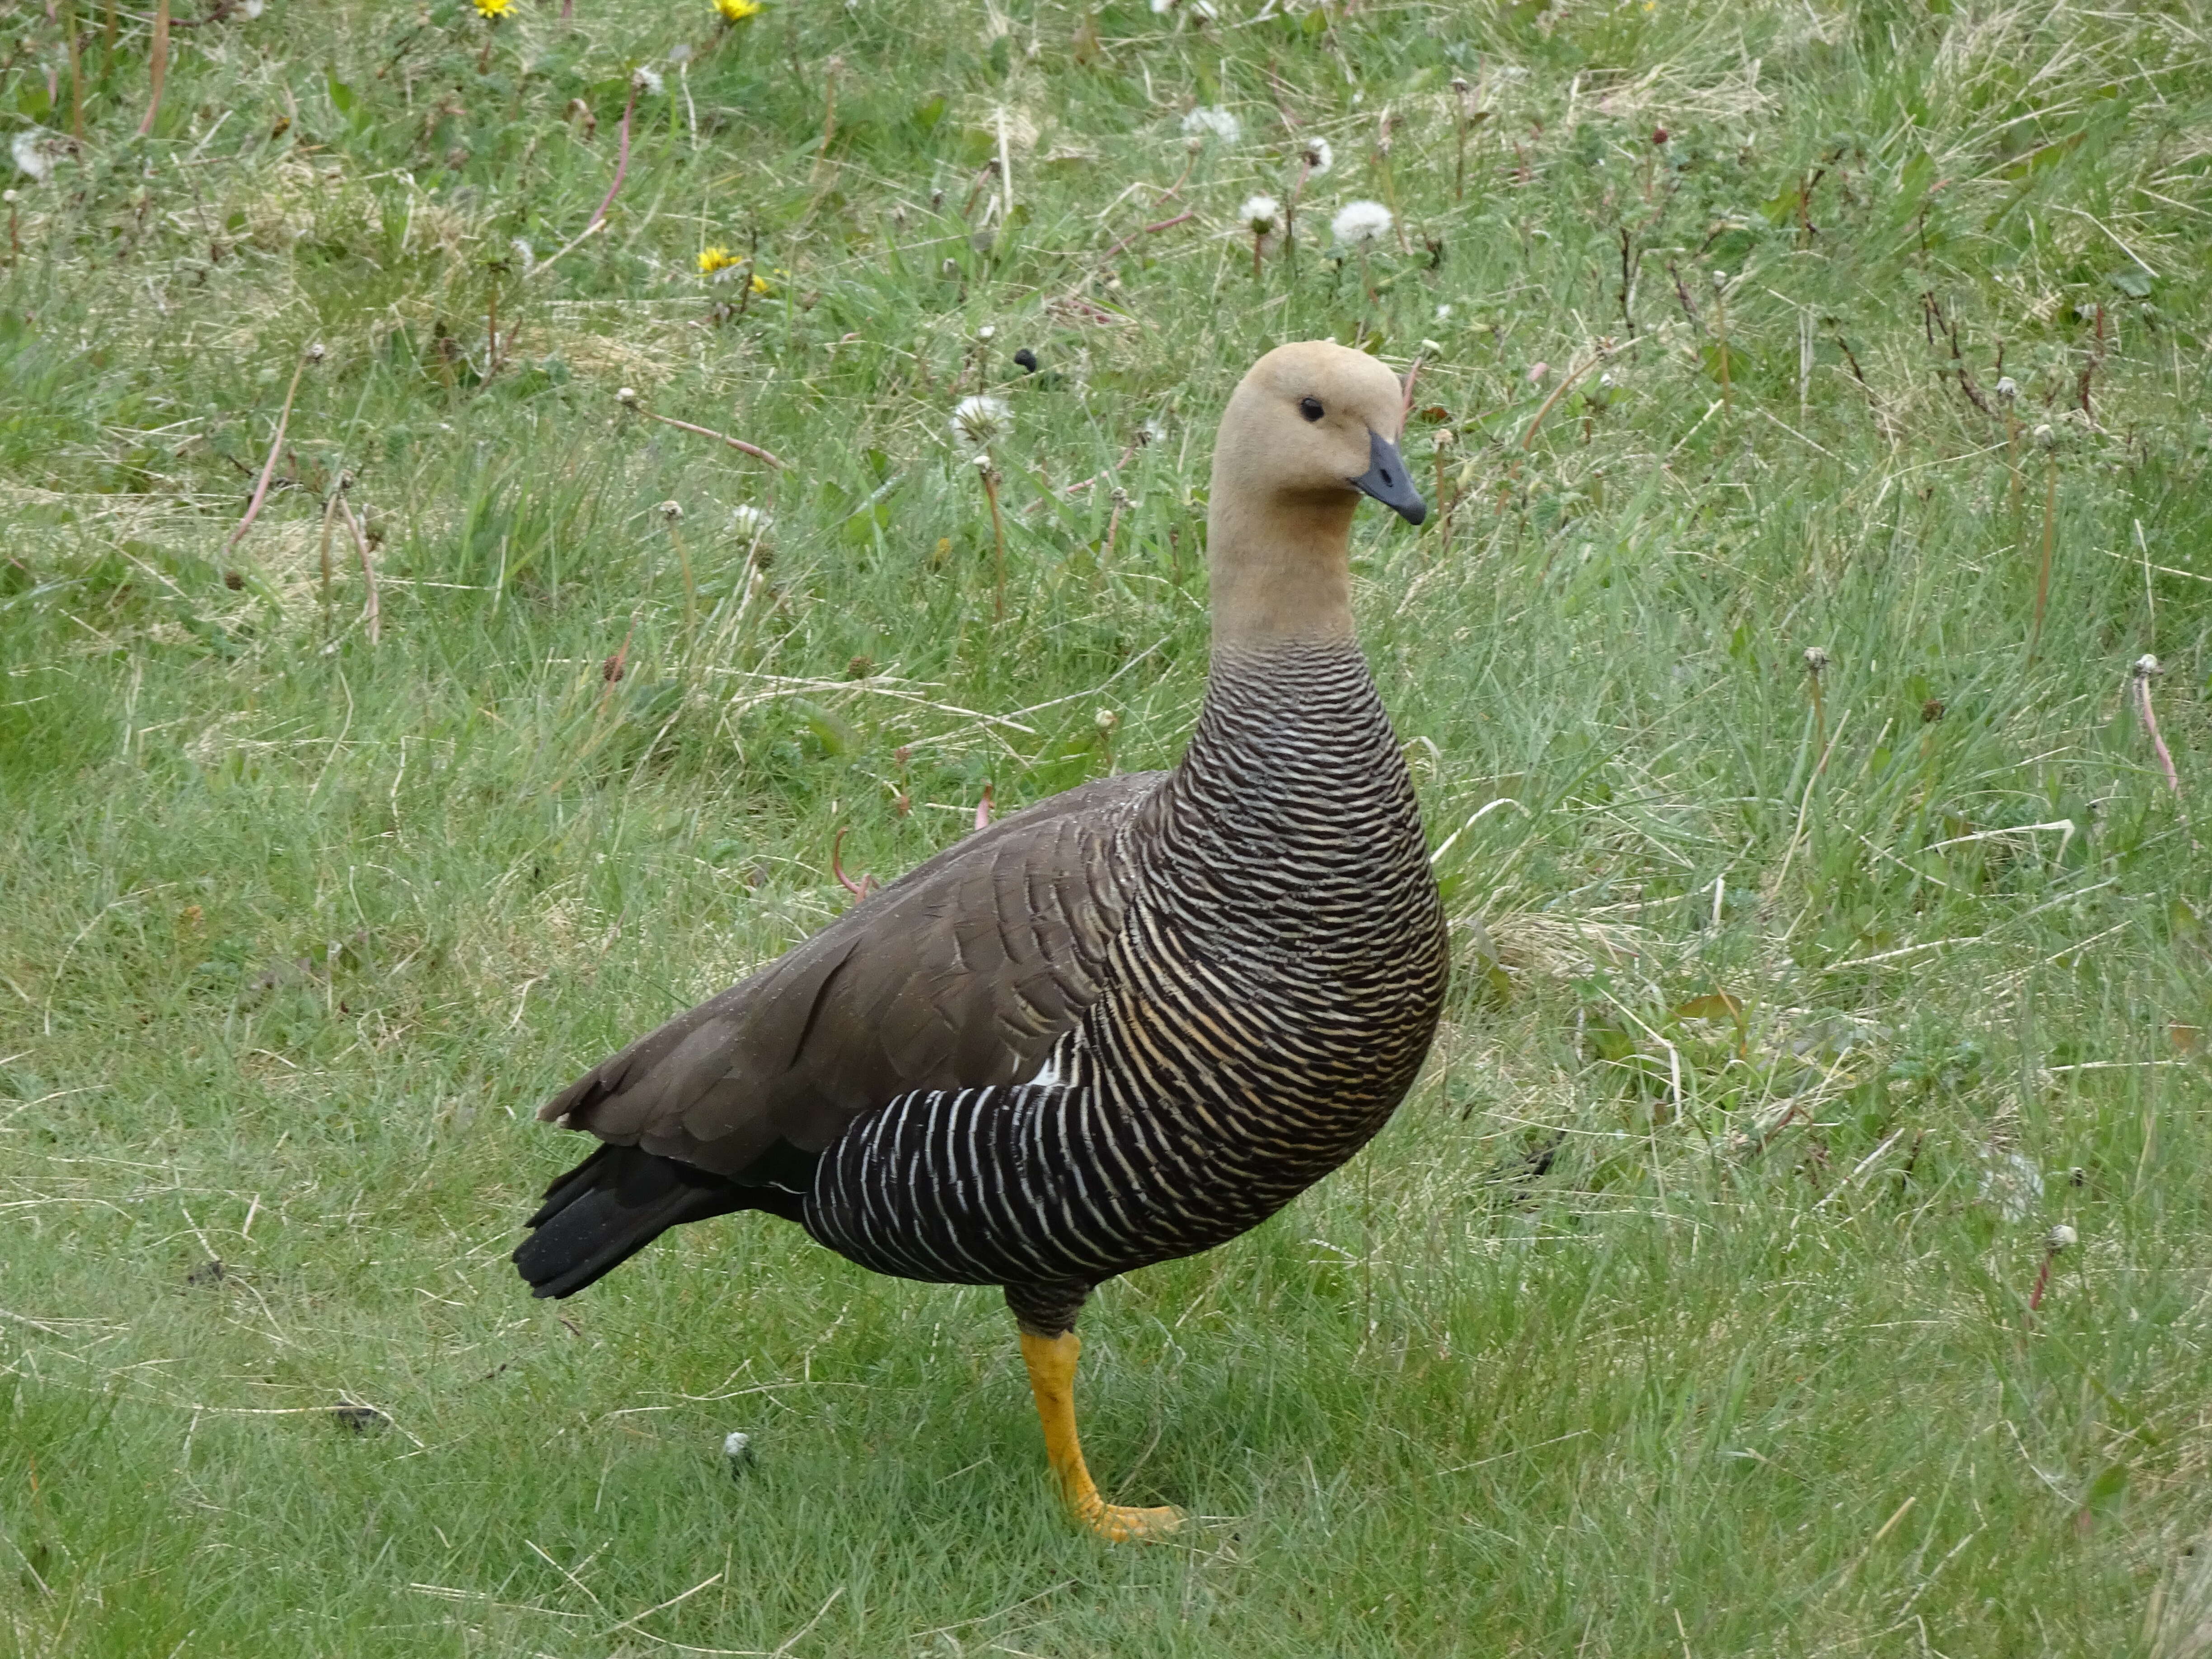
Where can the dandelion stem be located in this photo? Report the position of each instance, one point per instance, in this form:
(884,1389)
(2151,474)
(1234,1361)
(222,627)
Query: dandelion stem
(2012,465)
(160,67)
(753,450)
(268,466)
(690,588)
(1113,528)
(329,523)
(1148,230)
(829,109)
(598,217)
(76,72)
(998,539)
(2050,546)
(372,612)
(2145,667)
(1720,334)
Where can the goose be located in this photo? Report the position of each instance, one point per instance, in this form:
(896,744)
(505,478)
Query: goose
(1125,1025)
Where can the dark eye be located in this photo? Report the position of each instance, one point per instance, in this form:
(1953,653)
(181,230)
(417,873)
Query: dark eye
(1311,408)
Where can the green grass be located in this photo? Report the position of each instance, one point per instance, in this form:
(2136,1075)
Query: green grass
(1648,1327)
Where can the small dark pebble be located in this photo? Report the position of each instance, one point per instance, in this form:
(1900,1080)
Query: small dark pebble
(361,1420)
(207,1272)
(1027,359)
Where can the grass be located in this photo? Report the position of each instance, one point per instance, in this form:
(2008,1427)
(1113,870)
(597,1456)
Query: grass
(1683,1309)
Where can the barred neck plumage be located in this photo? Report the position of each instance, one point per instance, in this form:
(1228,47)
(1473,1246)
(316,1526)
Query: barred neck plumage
(1291,814)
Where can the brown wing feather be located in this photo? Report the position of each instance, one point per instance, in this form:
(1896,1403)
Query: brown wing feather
(963,973)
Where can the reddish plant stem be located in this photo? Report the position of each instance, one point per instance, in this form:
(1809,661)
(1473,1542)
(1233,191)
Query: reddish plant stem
(753,450)
(160,66)
(372,612)
(859,889)
(1148,230)
(268,466)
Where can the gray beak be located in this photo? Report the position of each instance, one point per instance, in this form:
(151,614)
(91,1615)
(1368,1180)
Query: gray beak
(1387,480)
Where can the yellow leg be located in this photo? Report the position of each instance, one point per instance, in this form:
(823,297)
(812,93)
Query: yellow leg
(1052,1379)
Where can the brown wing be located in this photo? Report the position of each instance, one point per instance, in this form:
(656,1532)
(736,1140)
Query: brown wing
(961,974)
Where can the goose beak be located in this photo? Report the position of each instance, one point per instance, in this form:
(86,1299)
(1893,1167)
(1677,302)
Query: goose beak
(1387,480)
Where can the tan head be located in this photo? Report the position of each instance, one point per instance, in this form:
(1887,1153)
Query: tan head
(1310,429)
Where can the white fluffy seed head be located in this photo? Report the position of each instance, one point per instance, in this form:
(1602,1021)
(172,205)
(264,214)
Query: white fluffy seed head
(2146,665)
(627,397)
(1261,215)
(2061,1237)
(1816,660)
(1361,222)
(1106,719)
(671,511)
(32,155)
(1211,119)
(649,81)
(1317,156)
(2007,388)
(978,423)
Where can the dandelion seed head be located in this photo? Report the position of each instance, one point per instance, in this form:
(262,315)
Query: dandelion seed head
(627,397)
(2061,1237)
(749,520)
(315,352)
(32,155)
(1213,119)
(671,511)
(647,81)
(1261,215)
(1317,155)
(251,9)
(1816,660)
(2007,388)
(985,333)
(2146,665)
(1361,222)
(525,253)
(1106,719)
(980,422)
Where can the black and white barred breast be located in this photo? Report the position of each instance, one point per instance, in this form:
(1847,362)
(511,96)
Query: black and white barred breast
(1265,1005)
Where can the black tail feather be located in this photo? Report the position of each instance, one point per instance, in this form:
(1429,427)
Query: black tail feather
(611,1206)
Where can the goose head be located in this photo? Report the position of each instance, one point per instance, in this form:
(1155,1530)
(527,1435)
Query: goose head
(1311,428)
(1317,421)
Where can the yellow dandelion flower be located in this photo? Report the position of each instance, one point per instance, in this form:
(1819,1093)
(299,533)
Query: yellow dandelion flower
(714,259)
(736,11)
(492,10)
(760,285)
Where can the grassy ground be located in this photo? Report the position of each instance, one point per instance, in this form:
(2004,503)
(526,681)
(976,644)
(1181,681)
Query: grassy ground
(1685,1309)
